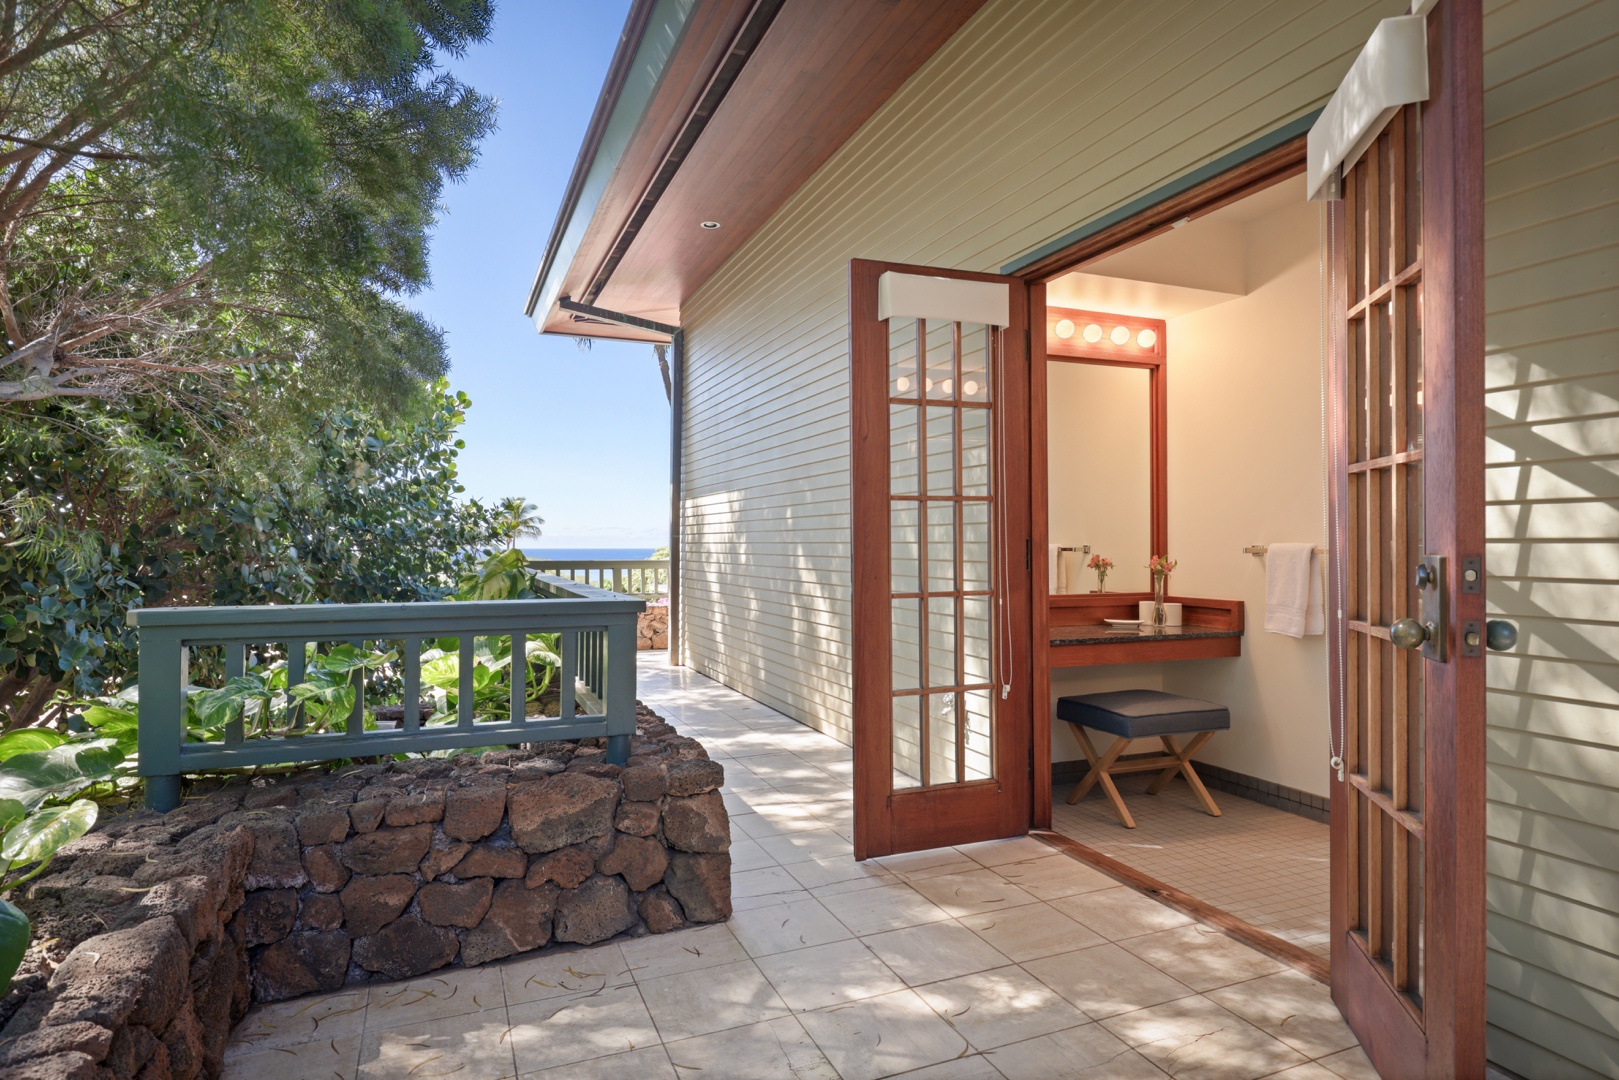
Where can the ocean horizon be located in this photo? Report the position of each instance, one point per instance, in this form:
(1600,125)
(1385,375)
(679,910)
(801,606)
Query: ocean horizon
(589,553)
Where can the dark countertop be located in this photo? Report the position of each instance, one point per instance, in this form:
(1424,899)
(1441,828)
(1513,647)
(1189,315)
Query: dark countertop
(1100,633)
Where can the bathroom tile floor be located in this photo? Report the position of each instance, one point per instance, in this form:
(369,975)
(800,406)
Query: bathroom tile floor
(997,960)
(1265,866)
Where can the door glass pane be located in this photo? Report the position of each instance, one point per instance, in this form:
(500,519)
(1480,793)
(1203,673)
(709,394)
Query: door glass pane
(902,450)
(977,762)
(941,547)
(941,372)
(941,664)
(903,541)
(975,641)
(943,724)
(941,450)
(902,380)
(975,452)
(975,362)
(907,742)
(906,647)
(975,546)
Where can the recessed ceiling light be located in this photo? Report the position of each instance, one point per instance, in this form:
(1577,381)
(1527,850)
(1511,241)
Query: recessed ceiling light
(711,224)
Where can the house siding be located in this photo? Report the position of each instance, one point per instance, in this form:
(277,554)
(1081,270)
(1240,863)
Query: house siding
(1551,184)
(1037,116)
(1041,115)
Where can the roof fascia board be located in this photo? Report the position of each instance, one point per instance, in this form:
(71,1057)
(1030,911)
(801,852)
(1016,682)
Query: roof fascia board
(651,34)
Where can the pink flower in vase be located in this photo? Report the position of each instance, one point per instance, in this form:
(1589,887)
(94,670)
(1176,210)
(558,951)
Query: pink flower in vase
(1161,567)
(1101,564)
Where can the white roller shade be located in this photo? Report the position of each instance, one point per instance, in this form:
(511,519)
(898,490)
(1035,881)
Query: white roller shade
(1391,71)
(914,296)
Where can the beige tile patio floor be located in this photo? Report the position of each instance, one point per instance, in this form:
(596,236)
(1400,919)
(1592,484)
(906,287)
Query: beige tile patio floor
(993,960)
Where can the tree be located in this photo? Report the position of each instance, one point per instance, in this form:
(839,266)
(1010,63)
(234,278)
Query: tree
(518,519)
(191,186)
(107,506)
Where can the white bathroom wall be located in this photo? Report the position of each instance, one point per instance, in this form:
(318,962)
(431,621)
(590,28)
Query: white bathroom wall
(1244,442)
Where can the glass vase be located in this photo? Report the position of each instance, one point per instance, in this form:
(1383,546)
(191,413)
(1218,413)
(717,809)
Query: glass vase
(1160,591)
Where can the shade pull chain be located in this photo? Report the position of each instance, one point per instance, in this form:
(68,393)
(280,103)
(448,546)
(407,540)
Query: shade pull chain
(1326,290)
(998,449)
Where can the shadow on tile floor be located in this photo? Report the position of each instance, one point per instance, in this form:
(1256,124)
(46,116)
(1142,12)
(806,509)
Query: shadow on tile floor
(998,960)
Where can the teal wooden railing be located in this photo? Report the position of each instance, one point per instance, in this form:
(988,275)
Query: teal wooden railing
(596,631)
(647,578)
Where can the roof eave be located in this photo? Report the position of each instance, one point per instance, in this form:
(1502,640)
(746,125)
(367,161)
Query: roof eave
(631,76)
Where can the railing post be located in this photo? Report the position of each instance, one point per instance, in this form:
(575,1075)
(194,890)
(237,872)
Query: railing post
(620,688)
(161,726)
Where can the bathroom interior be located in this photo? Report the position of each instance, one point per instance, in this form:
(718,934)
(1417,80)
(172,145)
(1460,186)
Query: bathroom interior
(1184,415)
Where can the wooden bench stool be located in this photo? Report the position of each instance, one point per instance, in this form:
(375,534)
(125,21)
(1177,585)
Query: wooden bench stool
(1142,714)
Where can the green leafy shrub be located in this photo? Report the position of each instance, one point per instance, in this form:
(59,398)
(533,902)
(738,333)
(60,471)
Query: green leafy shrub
(42,776)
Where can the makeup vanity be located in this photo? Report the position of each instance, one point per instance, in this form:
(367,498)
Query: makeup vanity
(1105,395)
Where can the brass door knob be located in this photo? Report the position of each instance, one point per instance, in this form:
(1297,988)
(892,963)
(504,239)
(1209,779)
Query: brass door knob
(1500,635)
(1408,634)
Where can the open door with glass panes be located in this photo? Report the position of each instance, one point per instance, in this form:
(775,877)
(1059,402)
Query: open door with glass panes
(1406,250)
(940,548)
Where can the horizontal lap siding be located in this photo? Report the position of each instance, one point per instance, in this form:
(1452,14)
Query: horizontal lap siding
(1552,262)
(1038,116)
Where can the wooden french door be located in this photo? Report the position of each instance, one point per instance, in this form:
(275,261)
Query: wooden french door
(1408,456)
(940,535)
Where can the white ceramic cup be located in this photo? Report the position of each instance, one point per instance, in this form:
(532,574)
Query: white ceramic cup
(1144,612)
(1172,614)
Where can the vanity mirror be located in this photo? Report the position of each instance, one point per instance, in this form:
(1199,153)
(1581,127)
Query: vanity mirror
(1105,447)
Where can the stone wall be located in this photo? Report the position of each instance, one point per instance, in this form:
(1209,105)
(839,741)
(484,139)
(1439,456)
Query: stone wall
(652,627)
(319,879)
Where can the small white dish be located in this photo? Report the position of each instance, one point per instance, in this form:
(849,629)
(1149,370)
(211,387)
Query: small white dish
(1122,622)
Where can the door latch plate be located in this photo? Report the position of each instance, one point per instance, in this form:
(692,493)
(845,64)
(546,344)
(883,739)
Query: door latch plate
(1472,638)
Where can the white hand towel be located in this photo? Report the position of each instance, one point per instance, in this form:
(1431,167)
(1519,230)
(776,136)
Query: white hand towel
(1292,590)
(1073,571)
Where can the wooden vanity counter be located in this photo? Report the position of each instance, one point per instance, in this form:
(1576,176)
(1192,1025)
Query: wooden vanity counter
(1080,638)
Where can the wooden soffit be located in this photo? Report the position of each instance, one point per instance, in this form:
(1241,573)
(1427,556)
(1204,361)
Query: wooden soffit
(814,71)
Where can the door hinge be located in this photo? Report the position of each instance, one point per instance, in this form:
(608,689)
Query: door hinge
(1028,554)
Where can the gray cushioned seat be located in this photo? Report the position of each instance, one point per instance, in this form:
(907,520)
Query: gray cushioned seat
(1143,714)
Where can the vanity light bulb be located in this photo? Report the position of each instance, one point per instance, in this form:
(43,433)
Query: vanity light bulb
(927,384)
(1065,328)
(970,387)
(1120,335)
(1147,338)
(945,386)
(1093,333)
(903,384)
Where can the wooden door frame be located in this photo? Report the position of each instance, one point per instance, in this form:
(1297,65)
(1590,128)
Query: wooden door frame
(1453,326)
(934,812)
(1272,166)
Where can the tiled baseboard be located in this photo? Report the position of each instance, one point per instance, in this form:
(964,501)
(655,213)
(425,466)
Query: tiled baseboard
(1280,796)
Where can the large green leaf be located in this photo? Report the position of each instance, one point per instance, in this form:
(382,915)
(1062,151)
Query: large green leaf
(11,812)
(14,935)
(345,658)
(443,672)
(38,836)
(59,772)
(216,708)
(99,715)
(29,741)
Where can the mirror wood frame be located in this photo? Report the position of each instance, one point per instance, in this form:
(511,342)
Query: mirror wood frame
(1154,360)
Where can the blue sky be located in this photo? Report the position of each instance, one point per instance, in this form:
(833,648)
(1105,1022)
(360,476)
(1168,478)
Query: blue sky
(584,435)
